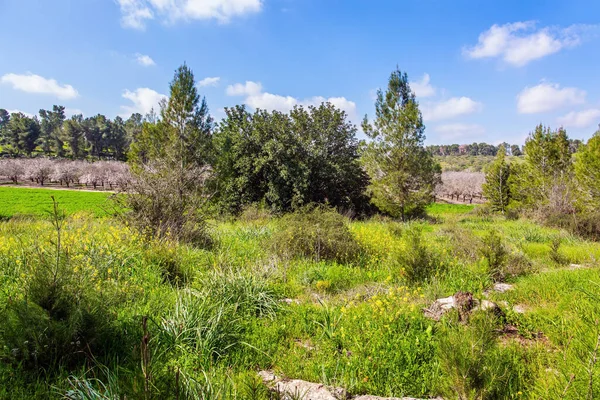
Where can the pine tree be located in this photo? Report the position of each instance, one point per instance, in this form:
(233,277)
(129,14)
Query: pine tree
(403,174)
(496,187)
(587,172)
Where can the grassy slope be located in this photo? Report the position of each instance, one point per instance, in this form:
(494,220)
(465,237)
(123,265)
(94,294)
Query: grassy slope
(358,325)
(27,201)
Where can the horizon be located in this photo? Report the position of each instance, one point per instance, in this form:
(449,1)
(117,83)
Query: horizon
(503,69)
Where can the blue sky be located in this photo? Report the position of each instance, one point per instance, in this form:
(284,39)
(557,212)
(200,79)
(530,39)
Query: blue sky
(482,70)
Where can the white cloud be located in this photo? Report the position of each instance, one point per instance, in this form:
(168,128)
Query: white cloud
(547,97)
(581,119)
(450,108)
(144,60)
(135,13)
(256,98)
(520,43)
(244,89)
(143,99)
(214,81)
(31,83)
(459,131)
(423,88)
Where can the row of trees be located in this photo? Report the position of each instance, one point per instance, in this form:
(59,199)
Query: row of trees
(41,170)
(52,134)
(475,149)
(461,185)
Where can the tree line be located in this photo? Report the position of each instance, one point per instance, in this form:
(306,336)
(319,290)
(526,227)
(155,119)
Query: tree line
(52,134)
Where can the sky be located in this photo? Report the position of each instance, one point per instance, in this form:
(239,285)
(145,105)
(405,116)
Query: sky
(482,70)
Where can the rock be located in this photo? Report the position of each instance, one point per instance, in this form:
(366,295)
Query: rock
(520,309)
(290,301)
(502,287)
(368,397)
(296,388)
(463,302)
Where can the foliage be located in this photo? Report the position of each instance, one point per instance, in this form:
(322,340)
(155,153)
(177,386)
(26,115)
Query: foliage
(290,160)
(167,196)
(496,188)
(403,174)
(587,172)
(316,232)
(495,253)
(419,261)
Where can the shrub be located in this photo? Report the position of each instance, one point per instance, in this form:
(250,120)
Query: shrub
(555,254)
(419,261)
(316,232)
(474,366)
(495,253)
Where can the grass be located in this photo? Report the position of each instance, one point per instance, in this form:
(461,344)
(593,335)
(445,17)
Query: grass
(38,202)
(149,319)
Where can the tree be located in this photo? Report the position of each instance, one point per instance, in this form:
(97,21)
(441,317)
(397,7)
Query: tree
(4,120)
(288,160)
(117,138)
(51,126)
(496,187)
(546,177)
(587,172)
(74,137)
(168,192)
(403,174)
(515,150)
(23,133)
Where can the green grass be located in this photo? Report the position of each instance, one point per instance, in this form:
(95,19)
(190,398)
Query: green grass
(38,202)
(215,315)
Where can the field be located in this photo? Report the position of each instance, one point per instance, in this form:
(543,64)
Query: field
(38,202)
(105,314)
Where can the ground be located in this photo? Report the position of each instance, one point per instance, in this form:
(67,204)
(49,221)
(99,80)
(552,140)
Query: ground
(217,316)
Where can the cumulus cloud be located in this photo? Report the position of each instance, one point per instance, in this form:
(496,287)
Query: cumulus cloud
(451,108)
(135,13)
(31,83)
(144,60)
(581,119)
(214,81)
(423,88)
(521,42)
(143,99)
(459,131)
(547,97)
(256,98)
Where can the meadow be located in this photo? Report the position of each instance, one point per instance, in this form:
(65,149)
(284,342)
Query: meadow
(93,311)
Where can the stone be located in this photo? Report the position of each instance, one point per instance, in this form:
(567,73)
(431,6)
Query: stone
(463,302)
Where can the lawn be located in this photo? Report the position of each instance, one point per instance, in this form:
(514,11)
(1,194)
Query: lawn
(38,202)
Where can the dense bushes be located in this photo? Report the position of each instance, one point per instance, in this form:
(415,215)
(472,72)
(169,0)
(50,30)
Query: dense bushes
(316,232)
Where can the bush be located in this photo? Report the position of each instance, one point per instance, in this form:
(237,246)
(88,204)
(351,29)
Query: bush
(474,366)
(495,253)
(585,225)
(419,261)
(316,232)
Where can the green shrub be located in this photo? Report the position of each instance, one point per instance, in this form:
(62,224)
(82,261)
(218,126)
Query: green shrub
(316,232)
(419,261)
(495,253)
(475,366)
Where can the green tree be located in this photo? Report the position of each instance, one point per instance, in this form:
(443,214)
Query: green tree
(51,130)
(496,187)
(546,176)
(23,133)
(117,141)
(74,137)
(587,172)
(4,120)
(170,166)
(515,150)
(403,174)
